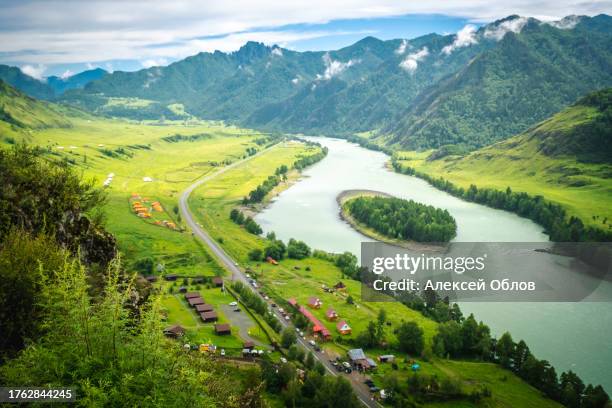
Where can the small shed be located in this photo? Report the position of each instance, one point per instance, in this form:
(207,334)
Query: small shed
(190,295)
(331,314)
(170,277)
(195,301)
(314,302)
(175,331)
(217,281)
(209,317)
(223,329)
(204,308)
(249,344)
(387,358)
(197,281)
(340,286)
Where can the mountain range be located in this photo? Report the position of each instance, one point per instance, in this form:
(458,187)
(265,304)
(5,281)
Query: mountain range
(471,89)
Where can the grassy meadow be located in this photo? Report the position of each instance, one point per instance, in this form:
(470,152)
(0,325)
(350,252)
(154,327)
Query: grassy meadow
(584,188)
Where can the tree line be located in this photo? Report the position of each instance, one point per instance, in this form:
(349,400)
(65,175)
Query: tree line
(551,216)
(249,223)
(403,219)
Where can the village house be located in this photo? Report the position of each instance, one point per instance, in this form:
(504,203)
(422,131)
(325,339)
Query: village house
(195,301)
(175,331)
(209,316)
(217,281)
(223,329)
(191,295)
(360,361)
(331,314)
(315,302)
(204,308)
(343,327)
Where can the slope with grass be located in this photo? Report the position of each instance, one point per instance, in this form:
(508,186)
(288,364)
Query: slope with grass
(566,159)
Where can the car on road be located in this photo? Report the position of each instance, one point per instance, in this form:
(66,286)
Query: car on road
(233,304)
(369,383)
(312,343)
(287,317)
(237,309)
(374,389)
(273,304)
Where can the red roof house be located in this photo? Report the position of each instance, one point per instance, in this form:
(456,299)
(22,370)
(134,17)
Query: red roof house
(343,327)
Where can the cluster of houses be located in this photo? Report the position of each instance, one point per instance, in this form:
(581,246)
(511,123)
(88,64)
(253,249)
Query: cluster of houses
(203,309)
(141,207)
(318,328)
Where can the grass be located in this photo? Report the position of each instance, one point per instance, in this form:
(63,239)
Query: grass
(172,166)
(584,189)
(212,202)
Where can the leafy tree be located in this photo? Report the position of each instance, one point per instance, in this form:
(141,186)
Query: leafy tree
(276,250)
(449,340)
(505,349)
(288,338)
(255,254)
(410,338)
(297,249)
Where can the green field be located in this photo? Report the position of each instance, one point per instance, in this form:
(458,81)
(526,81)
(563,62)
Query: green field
(584,188)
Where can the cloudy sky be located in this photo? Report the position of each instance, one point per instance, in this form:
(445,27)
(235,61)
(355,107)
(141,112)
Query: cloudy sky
(46,37)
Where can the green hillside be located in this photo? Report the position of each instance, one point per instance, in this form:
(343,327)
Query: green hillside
(18,112)
(503,91)
(566,158)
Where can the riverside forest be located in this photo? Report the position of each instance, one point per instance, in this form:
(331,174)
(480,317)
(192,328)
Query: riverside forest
(185,229)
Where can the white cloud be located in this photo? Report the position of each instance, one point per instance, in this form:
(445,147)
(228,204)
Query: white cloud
(35,71)
(153,62)
(277,51)
(411,62)
(498,31)
(402,47)
(566,23)
(334,67)
(464,38)
(67,74)
(68,31)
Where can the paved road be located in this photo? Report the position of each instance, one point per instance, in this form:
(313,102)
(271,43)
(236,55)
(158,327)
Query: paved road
(239,275)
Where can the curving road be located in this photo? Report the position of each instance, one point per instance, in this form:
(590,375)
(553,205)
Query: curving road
(239,275)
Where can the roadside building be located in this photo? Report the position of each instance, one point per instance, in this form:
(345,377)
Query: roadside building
(217,281)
